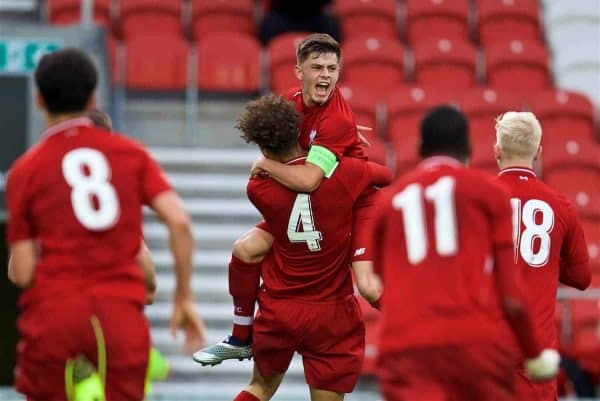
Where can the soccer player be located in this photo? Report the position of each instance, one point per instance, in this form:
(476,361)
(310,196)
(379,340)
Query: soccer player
(442,243)
(306,303)
(75,218)
(328,132)
(549,244)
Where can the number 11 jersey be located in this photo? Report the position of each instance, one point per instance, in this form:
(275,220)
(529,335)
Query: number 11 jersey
(79,193)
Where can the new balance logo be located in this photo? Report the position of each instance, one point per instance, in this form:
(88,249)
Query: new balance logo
(522,177)
(360,251)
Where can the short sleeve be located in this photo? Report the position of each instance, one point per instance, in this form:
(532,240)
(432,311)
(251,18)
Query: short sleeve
(20,226)
(154,181)
(336,133)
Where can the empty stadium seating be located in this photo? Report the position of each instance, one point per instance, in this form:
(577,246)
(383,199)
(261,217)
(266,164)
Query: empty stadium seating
(405,109)
(435,18)
(374,18)
(282,60)
(150,17)
(519,66)
(448,64)
(209,16)
(592,236)
(482,106)
(149,69)
(231,71)
(500,20)
(580,186)
(62,12)
(378,62)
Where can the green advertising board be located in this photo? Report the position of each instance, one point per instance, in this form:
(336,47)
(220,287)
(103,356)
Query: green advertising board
(22,55)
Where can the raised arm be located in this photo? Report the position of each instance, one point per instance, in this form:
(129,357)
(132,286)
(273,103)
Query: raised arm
(299,178)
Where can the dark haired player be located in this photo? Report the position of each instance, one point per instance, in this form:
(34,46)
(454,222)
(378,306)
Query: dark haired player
(75,217)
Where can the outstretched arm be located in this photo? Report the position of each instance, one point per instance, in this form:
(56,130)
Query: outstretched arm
(299,178)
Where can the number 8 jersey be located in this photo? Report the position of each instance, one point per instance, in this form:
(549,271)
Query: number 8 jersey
(549,245)
(79,193)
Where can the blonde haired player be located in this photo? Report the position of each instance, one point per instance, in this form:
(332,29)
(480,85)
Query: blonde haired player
(549,244)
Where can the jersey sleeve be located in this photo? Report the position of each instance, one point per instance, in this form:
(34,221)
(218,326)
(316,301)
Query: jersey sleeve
(575,269)
(500,215)
(336,133)
(379,175)
(376,230)
(20,225)
(154,181)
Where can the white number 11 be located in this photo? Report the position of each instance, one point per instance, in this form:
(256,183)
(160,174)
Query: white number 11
(411,202)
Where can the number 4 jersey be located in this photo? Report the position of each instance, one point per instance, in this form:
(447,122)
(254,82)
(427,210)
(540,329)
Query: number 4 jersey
(79,193)
(549,245)
(310,256)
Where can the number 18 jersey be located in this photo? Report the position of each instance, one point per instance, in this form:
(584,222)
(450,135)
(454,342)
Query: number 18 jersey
(79,193)
(549,245)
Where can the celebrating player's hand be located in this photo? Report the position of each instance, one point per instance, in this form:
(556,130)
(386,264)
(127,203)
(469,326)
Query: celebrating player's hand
(544,366)
(256,166)
(187,319)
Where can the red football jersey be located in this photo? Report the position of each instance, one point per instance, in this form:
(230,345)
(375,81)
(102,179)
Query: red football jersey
(331,125)
(434,235)
(79,193)
(549,245)
(310,255)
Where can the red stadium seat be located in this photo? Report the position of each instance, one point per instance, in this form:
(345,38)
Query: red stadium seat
(519,66)
(446,63)
(229,71)
(565,113)
(405,109)
(150,17)
(282,60)
(559,151)
(149,69)
(435,18)
(501,20)
(210,16)
(580,186)
(592,237)
(380,62)
(482,106)
(373,18)
(62,12)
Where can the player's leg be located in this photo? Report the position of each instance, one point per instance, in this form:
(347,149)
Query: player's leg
(333,346)
(244,280)
(261,388)
(121,348)
(324,395)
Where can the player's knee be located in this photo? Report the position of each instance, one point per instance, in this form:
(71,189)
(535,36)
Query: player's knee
(248,250)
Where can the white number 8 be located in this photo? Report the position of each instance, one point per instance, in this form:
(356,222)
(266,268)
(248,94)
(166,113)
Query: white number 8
(94,184)
(524,241)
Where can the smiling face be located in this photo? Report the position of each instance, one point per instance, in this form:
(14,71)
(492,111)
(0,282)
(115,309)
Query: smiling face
(319,74)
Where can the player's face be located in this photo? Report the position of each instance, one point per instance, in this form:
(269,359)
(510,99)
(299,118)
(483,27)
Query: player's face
(319,74)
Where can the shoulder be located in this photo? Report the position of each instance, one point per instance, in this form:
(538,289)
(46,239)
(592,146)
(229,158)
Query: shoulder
(293,94)
(338,121)
(27,161)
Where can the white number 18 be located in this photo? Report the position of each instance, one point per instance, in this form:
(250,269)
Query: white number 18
(524,241)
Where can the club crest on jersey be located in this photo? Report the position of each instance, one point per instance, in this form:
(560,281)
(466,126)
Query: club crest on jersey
(313,135)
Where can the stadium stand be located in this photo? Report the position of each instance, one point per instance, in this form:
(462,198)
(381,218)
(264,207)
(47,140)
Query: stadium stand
(209,16)
(64,12)
(434,18)
(501,20)
(449,64)
(379,59)
(143,17)
(373,18)
(282,60)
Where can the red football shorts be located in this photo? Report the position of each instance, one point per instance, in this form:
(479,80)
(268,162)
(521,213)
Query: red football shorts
(330,336)
(363,213)
(535,391)
(484,372)
(54,332)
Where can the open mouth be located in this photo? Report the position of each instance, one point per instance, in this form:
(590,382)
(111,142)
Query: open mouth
(322,88)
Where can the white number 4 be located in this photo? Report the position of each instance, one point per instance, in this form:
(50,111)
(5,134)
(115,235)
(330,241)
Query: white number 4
(302,218)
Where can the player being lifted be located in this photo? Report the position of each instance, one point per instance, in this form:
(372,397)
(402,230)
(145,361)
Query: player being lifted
(306,302)
(75,224)
(328,131)
(549,244)
(442,244)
